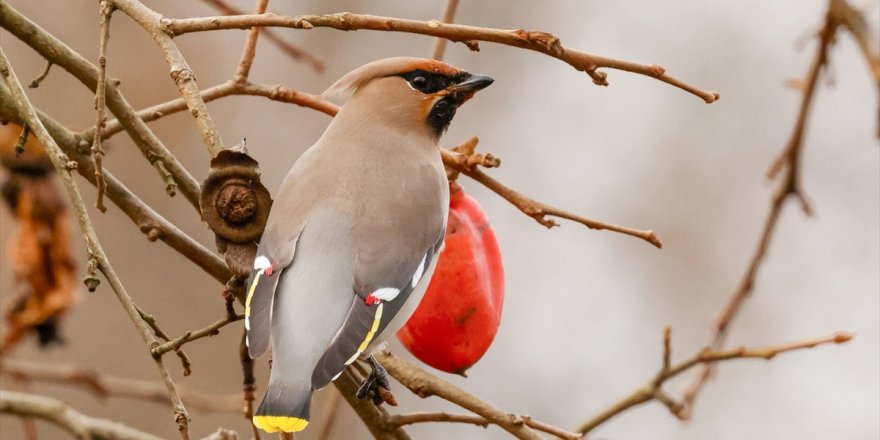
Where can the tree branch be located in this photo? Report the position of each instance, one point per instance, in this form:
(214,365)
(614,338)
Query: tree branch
(148,221)
(532,208)
(183,76)
(67,418)
(229,88)
(653,391)
(58,53)
(448,17)
(790,186)
(537,41)
(60,161)
(105,10)
(424,384)
(103,386)
(211,330)
(289,49)
(250,47)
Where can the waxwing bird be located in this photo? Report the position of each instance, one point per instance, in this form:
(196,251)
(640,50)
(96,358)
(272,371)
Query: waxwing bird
(352,237)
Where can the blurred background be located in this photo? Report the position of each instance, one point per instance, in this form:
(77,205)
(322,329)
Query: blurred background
(584,310)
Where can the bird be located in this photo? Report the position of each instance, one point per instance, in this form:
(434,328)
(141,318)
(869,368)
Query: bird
(354,232)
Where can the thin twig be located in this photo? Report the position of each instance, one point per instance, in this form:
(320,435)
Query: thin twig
(432,417)
(211,330)
(160,334)
(250,47)
(537,210)
(289,49)
(67,418)
(39,79)
(653,391)
(473,419)
(59,160)
(538,41)
(424,384)
(854,21)
(229,88)
(105,386)
(105,10)
(448,17)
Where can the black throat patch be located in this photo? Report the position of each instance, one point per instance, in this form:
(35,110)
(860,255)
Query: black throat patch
(441,115)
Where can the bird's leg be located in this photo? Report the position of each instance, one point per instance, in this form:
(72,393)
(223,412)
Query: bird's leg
(377,386)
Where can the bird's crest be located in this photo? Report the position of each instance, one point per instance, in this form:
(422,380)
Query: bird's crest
(346,86)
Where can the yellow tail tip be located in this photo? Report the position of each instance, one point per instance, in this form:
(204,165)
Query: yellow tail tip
(280,423)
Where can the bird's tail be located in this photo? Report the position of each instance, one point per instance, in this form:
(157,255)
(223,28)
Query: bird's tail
(285,407)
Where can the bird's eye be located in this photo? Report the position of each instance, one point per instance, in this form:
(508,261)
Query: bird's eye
(420,82)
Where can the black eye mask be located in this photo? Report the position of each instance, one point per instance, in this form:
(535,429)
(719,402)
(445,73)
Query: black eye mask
(428,82)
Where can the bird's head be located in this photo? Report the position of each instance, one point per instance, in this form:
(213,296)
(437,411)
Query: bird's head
(408,93)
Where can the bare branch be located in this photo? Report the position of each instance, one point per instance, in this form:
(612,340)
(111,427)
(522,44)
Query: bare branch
(538,41)
(537,210)
(60,54)
(39,79)
(432,417)
(229,88)
(105,386)
(148,221)
(59,160)
(211,330)
(653,391)
(289,49)
(183,76)
(448,17)
(67,418)
(250,47)
(105,10)
(424,384)
(789,160)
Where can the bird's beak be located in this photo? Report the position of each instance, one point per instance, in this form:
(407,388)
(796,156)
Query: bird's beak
(471,84)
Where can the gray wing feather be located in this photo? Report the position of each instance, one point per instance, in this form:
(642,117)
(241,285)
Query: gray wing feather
(361,318)
(257,311)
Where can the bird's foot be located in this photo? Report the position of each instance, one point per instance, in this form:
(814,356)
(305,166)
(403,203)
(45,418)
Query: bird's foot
(377,386)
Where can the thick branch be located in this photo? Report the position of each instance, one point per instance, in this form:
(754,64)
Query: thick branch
(181,73)
(58,53)
(538,41)
(67,418)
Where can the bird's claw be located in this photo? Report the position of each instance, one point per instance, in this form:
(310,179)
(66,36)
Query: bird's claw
(377,386)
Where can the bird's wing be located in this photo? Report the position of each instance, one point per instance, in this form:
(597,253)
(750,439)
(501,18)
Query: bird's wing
(274,254)
(383,282)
